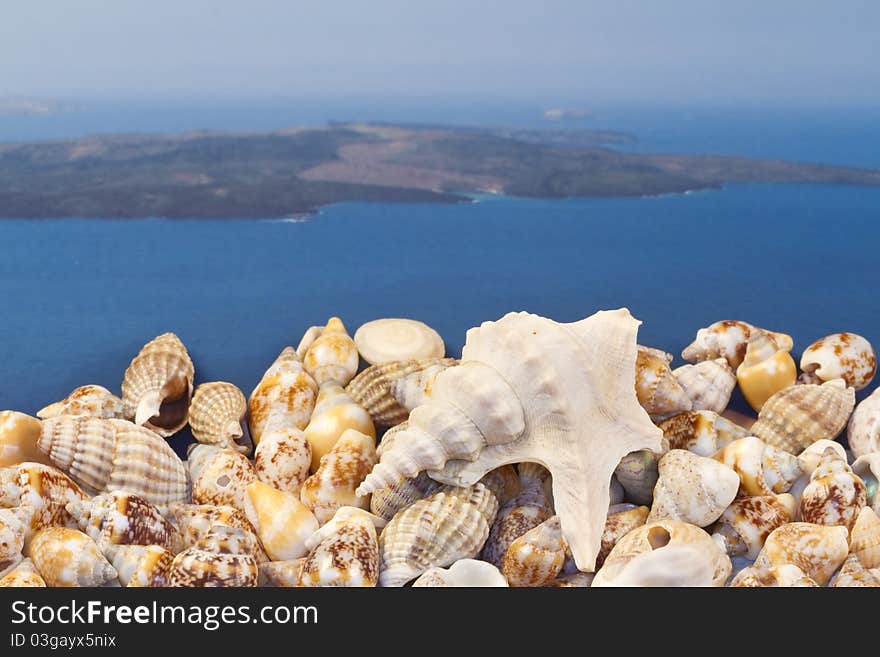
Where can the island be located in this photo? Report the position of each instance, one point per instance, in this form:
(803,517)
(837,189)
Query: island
(290,172)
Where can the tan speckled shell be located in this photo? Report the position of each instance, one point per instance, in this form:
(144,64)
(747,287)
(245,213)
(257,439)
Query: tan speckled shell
(450,524)
(536,557)
(693,489)
(140,566)
(283,458)
(386,390)
(784,576)
(701,432)
(835,495)
(282,574)
(115,455)
(799,415)
(13,528)
(19,434)
(24,575)
(863,430)
(386,502)
(865,538)
(504,482)
(844,356)
(729,339)
(707,384)
(762,469)
(216,416)
(91,400)
(283,522)
(621,520)
(284,398)
(158,386)
(67,557)
(341,471)
(854,574)
(194,521)
(817,550)
(657,389)
(41,494)
(345,552)
(223,480)
(748,521)
(333,356)
(195,567)
(124,519)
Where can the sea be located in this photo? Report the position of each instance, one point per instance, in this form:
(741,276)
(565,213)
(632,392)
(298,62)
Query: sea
(80,297)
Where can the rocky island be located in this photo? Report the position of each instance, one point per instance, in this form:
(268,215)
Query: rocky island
(281,173)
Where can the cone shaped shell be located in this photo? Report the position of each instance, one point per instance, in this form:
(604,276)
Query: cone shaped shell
(217,414)
(283,458)
(23,575)
(19,434)
(333,356)
(196,568)
(863,430)
(844,356)
(283,522)
(335,413)
(123,518)
(67,557)
(140,566)
(348,555)
(284,398)
(762,469)
(387,340)
(815,549)
(91,400)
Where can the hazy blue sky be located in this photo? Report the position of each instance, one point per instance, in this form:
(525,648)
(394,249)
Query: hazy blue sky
(565,49)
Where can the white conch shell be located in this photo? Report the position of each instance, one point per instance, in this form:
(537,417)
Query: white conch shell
(386,340)
(863,430)
(762,468)
(844,356)
(693,489)
(707,384)
(463,573)
(531,389)
(91,400)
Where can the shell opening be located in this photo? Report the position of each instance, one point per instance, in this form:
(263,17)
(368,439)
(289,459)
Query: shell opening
(658,537)
(172,413)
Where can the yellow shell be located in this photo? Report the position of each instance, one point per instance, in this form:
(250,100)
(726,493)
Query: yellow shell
(818,550)
(19,434)
(283,458)
(67,557)
(41,494)
(194,521)
(729,339)
(844,356)
(536,557)
(796,417)
(284,398)
(334,413)
(342,470)
(140,566)
(783,576)
(657,389)
(707,384)
(765,370)
(216,416)
(115,455)
(91,400)
(621,520)
(332,357)
(762,469)
(693,489)
(344,552)
(386,340)
(23,575)
(284,574)
(701,432)
(835,495)
(223,480)
(158,386)
(195,568)
(748,521)
(283,522)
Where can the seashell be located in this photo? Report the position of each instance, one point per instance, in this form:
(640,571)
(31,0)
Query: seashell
(451,524)
(23,575)
(693,489)
(765,370)
(762,469)
(729,339)
(283,523)
(344,552)
(536,557)
(332,357)
(283,458)
(311,334)
(41,494)
(194,521)
(217,416)
(524,511)
(463,573)
(844,356)
(581,415)
(796,417)
(195,567)
(665,356)
(863,430)
(865,538)
(701,432)
(505,483)
(93,401)
(657,389)
(335,413)
(124,519)
(13,528)
(67,557)
(573,580)
(853,574)
(868,469)
(389,391)
(637,474)
(746,523)
(622,519)
(615,492)
(386,340)
(784,575)
(385,502)
(665,553)
(835,495)
(222,539)
(140,566)
(223,480)
(283,574)
(707,384)
(284,398)
(818,550)
(18,439)
(342,470)
(158,386)
(115,455)
(810,457)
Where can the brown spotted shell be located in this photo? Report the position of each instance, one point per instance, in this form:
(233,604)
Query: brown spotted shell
(818,550)
(40,493)
(345,552)
(282,459)
(701,432)
(67,557)
(536,557)
(217,416)
(140,565)
(91,400)
(844,356)
(196,568)
(223,479)
(783,576)
(708,384)
(729,339)
(748,521)
(284,574)
(195,521)
(835,495)
(23,575)
(621,520)
(284,398)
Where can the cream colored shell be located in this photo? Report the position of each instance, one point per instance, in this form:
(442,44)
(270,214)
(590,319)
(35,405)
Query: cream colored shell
(708,384)
(283,458)
(536,557)
(140,566)
(463,573)
(223,480)
(817,550)
(344,552)
(67,557)
(762,469)
(658,390)
(332,357)
(701,432)
(217,416)
(386,340)
(283,523)
(39,495)
(693,489)
(335,413)
(863,431)
(91,400)
(748,521)
(728,339)
(844,356)
(284,398)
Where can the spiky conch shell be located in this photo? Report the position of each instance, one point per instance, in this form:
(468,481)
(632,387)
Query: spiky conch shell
(665,553)
(728,339)
(536,557)
(622,519)
(762,469)
(19,434)
(40,494)
(799,415)
(90,400)
(282,574)
(283,458)
(579,415)
(344,552)
(701,432)
(283,522)
(708,384)
(115,455)
(332,357)
(68,557)
(385,340)
(835,495)
(844,356)
(386,391)
(748,521)
(335,413)
(120,518)
(693,489)
(23,575)
(450,524)
(863,430)
(140,566)
(657,388)
(158,386)
(469,573)
(194,521)
(217,416)
(784,575)
(284,398)
(818,550)
(765,370)
(342,470)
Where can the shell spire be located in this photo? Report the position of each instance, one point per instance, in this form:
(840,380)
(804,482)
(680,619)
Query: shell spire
(529,389)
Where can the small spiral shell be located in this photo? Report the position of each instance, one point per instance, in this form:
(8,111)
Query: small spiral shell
(216,416)
(91,400)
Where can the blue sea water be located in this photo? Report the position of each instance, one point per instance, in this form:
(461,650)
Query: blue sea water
(80,297)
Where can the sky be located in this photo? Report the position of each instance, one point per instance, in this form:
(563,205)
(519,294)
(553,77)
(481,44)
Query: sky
(767,50)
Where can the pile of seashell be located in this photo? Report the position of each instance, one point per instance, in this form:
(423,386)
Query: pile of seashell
(550,455)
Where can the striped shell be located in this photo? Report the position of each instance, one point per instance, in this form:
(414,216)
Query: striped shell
(693,489)
(386,502)
(783,576)
(217,416)
(158,386)
(283,523)
(798,416)
(140,566)
(332,357)
(835,495)
(91,400)
(344,552)
(283,458)
(748,521)
(124,519)
(863,430)
(19,434)
(451,524)
(223,479)
(67,557)
(23,575)
(386,340)
(657,389)
(729,339)
(284,398)
(707,384)
(844,356)
(463,573)
(622,519)
(817,550)
(115,455)
(762,469)
(701,432)
(40,494)
(335,413)
(536,557)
